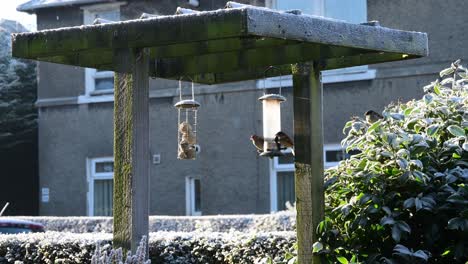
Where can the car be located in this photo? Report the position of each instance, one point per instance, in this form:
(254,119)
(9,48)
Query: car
(15,226)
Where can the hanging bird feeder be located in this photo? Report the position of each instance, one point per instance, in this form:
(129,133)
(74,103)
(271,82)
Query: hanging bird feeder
(187,126)
(271,120)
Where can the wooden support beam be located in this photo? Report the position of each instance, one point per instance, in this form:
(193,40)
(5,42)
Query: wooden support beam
(131,148)
(250,59)
(308,147)
(364,59)
(102,58)
(139,33)
(216,46)
(264,22)
(241,75)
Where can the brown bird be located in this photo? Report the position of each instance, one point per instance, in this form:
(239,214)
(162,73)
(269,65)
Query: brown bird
(257,141)
(372,116)
(284,140)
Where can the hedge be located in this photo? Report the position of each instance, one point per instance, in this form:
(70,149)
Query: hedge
(281,221)
(164,247)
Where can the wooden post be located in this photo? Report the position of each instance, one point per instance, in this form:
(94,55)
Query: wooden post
(308,138)
(131,148)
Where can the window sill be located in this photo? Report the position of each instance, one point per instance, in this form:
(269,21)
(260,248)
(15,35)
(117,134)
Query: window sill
(96,98)
(327,77)
(331,77)
(101,92)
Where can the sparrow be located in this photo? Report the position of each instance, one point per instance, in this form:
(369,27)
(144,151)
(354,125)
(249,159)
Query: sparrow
(372,116)
(284,140)
(186,132)
(257,141)
(278,144)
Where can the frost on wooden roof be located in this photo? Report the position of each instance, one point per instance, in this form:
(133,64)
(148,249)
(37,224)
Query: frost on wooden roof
(232,44)
(32,5)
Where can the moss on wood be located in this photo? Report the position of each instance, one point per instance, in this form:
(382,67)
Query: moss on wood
(123,134)
(130,34)
(308,138)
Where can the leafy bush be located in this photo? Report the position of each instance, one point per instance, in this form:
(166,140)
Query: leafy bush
(404,197)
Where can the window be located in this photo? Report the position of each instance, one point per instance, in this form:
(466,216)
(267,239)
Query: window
(282,181)
(99,82)
(193,196)
(100,186)
(282,189)
(311,7)
(333,154)
(354,11)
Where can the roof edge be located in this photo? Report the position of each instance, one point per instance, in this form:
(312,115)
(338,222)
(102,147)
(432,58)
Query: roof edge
(33,5)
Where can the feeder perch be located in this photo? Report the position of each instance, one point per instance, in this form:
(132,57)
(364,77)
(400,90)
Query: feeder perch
(187,126)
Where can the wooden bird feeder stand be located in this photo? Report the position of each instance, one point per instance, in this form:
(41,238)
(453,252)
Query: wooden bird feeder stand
(232,44)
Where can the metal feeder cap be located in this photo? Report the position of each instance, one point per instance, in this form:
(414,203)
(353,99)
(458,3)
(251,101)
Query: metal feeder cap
(187,104)
(272,97)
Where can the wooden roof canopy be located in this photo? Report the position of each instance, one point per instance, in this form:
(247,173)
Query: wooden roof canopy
(232,44)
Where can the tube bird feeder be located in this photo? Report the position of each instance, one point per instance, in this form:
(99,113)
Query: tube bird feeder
(187,126)
(271,104)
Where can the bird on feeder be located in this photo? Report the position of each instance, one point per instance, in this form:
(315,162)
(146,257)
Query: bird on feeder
(282,139)
(372,116)
(187,143)
(258,142)
(186,131)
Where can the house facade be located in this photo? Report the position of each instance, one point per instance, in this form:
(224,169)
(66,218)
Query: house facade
(76,111)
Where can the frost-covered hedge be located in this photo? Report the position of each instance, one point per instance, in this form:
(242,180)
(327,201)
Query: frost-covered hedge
(283,221)
(164,247)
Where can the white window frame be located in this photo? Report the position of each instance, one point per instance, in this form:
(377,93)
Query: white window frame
(357,73)
(276,167)
(92,175)
(332,147)
(190,196)
(91,95)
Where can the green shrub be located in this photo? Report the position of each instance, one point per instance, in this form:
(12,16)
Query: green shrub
(404,197)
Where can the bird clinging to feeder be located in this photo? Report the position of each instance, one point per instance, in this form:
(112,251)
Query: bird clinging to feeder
(258,142)
(187,126)
(284,140)
(187,148)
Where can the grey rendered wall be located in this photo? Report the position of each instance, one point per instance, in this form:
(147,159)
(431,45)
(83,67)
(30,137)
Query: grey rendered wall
(442,20)
(56,81)
(233,178)
(69,135)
